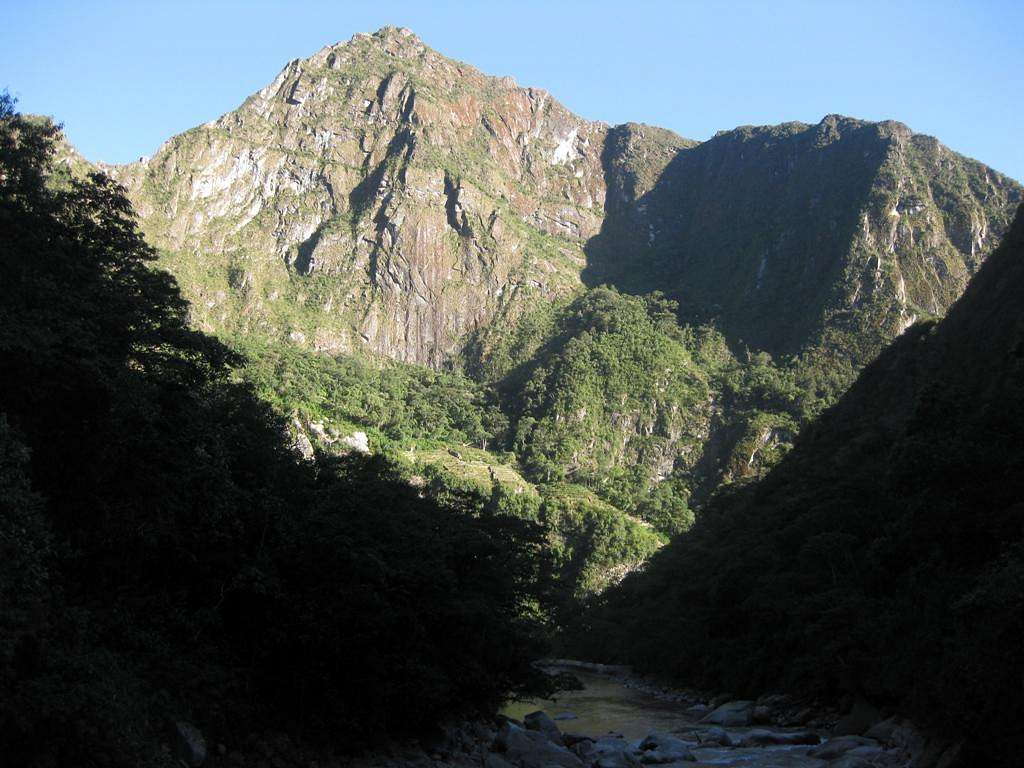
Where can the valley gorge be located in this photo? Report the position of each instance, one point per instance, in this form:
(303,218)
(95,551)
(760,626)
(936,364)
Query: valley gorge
(326,427)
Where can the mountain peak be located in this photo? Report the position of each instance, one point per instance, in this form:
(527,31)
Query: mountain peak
(386,36)
(390,41)
(430,199)
(401,34)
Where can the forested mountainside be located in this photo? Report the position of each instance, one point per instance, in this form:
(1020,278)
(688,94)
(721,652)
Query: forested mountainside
(833,237)
(380,201)
(164,559)
(883,556)
(610,391)
(337,411)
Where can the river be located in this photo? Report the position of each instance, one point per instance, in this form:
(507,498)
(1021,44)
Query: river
(606,706)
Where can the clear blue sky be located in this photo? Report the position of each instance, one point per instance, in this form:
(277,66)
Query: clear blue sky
(124,76)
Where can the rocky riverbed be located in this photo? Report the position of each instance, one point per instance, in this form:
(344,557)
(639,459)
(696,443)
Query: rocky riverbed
(618,721)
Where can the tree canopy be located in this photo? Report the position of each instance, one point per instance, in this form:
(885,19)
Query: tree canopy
(165,555)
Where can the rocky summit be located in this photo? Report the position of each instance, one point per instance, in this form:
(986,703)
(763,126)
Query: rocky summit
(376,195)
(381,197)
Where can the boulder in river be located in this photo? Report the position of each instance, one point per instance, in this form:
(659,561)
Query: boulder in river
(861,716)
(882,730)
(532,749)
(760,737)
(572,739)
(719,700)
(697,711)
(906,736)
(611,752)
(539,721)
(660,748)
(715,735)
(801,717)
(731,714)
(839,746)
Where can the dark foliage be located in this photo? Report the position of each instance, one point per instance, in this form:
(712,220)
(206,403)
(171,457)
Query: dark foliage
(162,553)
(883,556)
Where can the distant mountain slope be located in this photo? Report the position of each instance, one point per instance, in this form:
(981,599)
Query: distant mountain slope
(884,556)
(378,196)
(791,237)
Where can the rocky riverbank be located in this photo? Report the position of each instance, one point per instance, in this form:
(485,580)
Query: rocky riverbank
(619,720)
(623,721)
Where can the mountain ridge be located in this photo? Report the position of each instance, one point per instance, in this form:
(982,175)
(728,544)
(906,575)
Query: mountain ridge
(401,200)
(900,235)
(378,199)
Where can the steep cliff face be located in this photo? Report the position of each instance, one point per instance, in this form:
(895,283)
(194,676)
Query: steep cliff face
(382,197)
(795,236)
(376,194)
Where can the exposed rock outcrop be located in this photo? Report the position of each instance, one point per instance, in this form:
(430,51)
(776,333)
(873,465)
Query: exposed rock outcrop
(397,197)
(380,196)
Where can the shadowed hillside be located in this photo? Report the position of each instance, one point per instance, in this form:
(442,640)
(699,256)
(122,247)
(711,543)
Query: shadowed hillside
(833,237)
(165,558)
(883,556)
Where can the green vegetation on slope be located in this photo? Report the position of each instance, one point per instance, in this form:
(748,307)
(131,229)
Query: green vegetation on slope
(163,556)
(394,402)
(424,421)
(619,417)
(608,391)
(884,556)
(602,407)
(589,545)
(822,242)
(617,365)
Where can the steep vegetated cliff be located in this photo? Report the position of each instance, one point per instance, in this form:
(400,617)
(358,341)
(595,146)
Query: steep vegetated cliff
(375,196)
(380,196)
(822,241)
(381,201)
(610,392)
(883,556)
